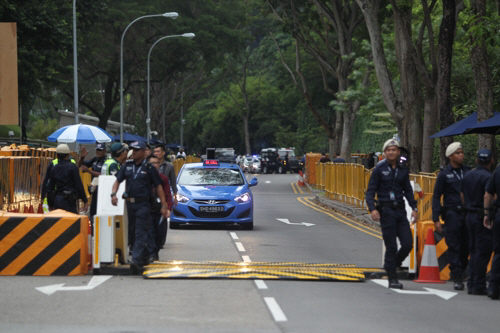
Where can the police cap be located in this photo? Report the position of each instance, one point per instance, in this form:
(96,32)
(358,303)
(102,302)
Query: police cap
(138,145)
(484,155)
(117,148)
(100,146)
(62,149)
(389,143)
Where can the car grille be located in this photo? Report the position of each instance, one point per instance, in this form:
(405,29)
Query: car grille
(211,202)
(207,215)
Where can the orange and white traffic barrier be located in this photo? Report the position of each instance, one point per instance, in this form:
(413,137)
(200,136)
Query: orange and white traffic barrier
(429,268)
(301,178)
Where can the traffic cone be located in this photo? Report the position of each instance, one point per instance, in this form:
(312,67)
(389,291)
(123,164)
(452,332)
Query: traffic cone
(40,209)
(301,178)
(31,210)
(429,268)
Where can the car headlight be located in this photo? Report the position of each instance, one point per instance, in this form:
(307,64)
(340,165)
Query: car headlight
(245,197)
(182,198)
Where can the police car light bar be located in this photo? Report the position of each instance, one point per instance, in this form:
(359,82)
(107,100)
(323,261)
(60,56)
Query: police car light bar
(211,162)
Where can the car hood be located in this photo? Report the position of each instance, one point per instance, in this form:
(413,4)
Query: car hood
(212,192)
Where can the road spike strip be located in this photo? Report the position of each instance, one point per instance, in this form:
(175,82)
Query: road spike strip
(429,268)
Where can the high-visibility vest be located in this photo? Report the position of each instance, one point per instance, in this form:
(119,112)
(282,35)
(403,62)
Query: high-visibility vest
(55,161)
(107,164)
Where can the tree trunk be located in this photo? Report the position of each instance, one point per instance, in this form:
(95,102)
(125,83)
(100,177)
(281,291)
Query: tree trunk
(345,149)
(482,75)
(410,87)
(429,128)
(445,53)
(247,134)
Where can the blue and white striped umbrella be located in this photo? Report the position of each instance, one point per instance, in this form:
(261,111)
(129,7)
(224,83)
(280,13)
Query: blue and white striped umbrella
(80,133)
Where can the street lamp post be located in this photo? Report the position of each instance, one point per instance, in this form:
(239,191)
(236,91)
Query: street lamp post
(172,15)
(148,118)
(75,70)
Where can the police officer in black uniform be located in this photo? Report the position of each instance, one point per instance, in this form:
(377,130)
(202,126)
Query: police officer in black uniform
(390,181)
(64,185)
(492,221)
(141,177)
(448,184)
(480,238)
(96,164)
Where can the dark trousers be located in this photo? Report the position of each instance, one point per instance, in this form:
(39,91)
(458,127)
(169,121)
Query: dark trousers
(61,203)
(480,248)
(457,240)
(395,226)
(159,233)
(140,231)
(495,267)
(93,206)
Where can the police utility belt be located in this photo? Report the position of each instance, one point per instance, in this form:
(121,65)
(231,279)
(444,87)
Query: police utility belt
(456,208)
(137,200)
(391,204)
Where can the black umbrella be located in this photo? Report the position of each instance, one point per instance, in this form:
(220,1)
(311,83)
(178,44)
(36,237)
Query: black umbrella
(457,128)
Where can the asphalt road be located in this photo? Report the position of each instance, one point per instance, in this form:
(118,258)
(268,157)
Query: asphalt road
(133,304)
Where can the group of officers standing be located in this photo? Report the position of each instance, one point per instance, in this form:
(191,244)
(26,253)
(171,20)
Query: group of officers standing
(462,197)
(150,183)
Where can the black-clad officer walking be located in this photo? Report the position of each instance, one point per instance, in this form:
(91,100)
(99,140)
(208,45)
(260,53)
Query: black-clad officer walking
(64,184)
(492,221)
(391,182)
(141,177)
(448,185)
(480,238)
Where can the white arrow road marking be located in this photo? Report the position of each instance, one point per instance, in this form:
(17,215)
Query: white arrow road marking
(430,291)
(94,282)
(301,223)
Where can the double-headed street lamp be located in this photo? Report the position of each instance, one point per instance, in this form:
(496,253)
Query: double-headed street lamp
(172,15)
(148,118)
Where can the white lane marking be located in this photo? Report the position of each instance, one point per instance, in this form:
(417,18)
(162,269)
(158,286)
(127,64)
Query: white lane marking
(260,284)
(290,223)
(430,291)
(268,182)
(94,282)
(275,309)
(246,258)
(233,234)
(240,246)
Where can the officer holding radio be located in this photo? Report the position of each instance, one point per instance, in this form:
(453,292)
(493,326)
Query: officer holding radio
(390,181)
(141,178)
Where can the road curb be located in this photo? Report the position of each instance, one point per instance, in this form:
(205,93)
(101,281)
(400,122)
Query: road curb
(359,214)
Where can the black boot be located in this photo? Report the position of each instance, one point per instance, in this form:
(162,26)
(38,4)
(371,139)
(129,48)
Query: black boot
(493,292)
(393,280)
(459,284)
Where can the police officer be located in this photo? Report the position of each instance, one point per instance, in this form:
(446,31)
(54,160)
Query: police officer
(492,221)
(64,184)
(118,157)
(448,185)
(47,176)
(480,238)
(96,164)
(391,182)
(160,225)
(141,178)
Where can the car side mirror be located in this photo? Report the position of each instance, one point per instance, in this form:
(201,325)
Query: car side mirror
(253,182)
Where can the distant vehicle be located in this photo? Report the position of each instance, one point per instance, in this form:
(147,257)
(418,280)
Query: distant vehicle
(250,164)
(213,193)
(225,155)
(293,161)
(273,160)
(269,161)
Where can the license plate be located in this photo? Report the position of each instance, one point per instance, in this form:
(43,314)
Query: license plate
(211,209)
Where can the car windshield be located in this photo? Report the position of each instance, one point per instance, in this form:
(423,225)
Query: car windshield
(283,153)
(224,153)
(211,176)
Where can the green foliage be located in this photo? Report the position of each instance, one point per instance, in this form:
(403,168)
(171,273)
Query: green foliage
(42,128)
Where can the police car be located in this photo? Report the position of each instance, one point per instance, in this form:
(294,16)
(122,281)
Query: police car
(213,193)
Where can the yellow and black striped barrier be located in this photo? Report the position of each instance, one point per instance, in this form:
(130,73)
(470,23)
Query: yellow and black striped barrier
(43,244)
(257,270)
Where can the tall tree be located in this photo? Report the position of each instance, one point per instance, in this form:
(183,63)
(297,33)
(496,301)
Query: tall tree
(481,68)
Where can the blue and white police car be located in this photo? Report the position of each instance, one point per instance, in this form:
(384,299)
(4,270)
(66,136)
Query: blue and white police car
(213,193)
